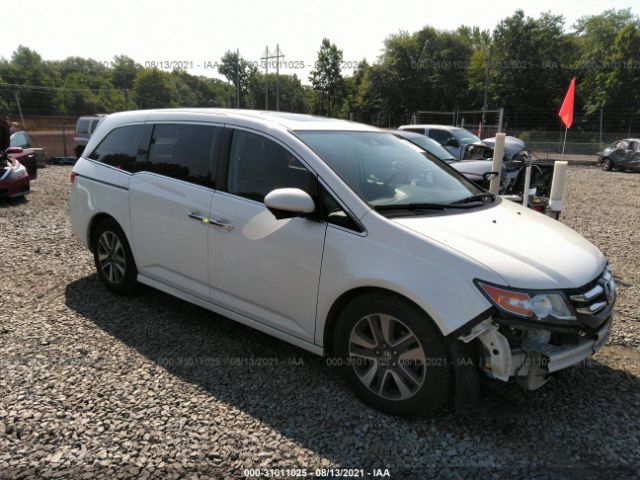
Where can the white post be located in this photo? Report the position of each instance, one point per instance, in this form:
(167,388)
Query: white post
(498,154)
(527,183)
(556,202)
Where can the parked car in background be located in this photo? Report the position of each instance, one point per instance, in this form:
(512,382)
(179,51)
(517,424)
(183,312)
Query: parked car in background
(621,155)
(23,140)
(480,171)
(26,156)
(85,126)
(455,139)
(344,240)
(14,178)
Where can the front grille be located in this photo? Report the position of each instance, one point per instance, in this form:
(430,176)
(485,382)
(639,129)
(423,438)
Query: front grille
(594,301)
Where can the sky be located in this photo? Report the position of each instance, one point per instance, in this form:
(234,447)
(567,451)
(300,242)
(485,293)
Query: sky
(195,34)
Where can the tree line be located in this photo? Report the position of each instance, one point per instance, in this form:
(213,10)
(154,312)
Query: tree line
(524,65)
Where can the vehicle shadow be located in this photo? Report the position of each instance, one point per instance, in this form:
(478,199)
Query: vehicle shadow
(302,398)
(13,202)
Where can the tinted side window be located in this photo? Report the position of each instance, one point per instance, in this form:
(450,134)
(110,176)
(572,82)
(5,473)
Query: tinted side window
(439,136)
(258,165)
(183,152)
(414,130)
(120,148)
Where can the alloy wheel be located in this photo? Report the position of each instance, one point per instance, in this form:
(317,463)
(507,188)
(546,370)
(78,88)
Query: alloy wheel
(111,257)
(387,356)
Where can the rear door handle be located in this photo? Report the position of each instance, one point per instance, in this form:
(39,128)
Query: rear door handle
(227,227)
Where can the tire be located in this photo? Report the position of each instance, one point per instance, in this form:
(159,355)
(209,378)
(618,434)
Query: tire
(78,149)
(407,384)
(113,258)
(608,165)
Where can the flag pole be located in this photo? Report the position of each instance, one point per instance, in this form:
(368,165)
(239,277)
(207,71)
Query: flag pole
(564,142)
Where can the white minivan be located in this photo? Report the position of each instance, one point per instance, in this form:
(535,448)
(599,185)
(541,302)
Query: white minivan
(344,240)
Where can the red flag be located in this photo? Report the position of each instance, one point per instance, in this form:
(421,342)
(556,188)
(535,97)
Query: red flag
(566,110)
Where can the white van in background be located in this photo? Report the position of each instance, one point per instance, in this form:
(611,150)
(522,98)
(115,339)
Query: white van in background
(85,126)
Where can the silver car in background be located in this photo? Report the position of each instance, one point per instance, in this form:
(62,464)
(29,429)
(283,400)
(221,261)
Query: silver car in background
(621,155)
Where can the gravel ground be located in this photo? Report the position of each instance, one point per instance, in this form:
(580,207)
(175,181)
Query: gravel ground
(94,385)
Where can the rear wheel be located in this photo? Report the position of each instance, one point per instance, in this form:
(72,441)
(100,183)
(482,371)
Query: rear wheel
(392,355)
(113,258)
(608,165)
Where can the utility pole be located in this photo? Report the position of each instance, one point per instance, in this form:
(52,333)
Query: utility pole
(485,103)
(20,109)
(278,55)
(266,78)
(601,113)
(237,78)
(277,77)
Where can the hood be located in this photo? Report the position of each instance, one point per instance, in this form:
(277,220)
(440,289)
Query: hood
(5,135)
(527,249)
(512,145)
(473,167)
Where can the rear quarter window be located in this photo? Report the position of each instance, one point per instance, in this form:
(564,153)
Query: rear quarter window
(120,148)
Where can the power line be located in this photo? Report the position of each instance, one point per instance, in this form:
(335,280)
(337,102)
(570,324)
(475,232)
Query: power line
(67,89)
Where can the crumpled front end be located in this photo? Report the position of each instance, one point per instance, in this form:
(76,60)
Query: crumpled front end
(529,351)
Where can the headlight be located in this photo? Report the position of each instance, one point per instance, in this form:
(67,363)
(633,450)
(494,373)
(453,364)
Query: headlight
(534,305)
(17,172)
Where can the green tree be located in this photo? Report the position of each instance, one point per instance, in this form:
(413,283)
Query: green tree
(153,88)
(623,81)
(240,72)
(28,68)
(530,66)
(293,95)
(326,79)
(597,39)
(124,71)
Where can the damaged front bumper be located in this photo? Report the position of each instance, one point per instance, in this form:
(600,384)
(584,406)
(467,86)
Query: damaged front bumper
(530,355)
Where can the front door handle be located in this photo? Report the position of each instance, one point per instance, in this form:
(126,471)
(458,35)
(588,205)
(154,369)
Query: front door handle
(197,216)
(227,227)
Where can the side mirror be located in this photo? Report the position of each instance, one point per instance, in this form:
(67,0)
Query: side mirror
(11,150)
(488,176)
(289,203)
(452,142)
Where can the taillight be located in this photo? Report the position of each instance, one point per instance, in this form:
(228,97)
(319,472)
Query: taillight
(72,177)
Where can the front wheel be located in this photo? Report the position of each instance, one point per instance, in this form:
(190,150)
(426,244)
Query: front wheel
(392,355)
(608,165)
(113,258)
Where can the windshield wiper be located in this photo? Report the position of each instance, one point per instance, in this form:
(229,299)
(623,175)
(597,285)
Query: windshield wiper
(475,198)
(416,206)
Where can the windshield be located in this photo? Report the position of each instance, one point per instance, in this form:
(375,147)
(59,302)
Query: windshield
(385,170)
(431,146)
(466,137)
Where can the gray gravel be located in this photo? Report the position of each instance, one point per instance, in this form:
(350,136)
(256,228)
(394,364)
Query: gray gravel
(94,385)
